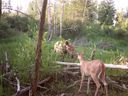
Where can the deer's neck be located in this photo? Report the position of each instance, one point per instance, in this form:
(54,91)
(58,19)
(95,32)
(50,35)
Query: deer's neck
(81,60)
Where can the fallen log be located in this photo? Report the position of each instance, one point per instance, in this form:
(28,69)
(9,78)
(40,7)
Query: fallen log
(111,66)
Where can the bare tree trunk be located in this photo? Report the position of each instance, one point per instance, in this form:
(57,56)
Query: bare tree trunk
(38,8)
(38,49)
(55,18)
(17,12)
(85,8)
(61,19)
(9,6)
(0,8)
(49,22)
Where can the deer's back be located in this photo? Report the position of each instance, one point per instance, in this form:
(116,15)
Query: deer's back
(94,66)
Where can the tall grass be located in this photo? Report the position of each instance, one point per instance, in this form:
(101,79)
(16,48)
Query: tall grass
(21,54)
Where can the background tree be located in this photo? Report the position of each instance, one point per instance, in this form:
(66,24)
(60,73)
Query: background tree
(55,17)
(34,8)
(50,31)
(62,16)
(106,12)
(0,8)
(9,6)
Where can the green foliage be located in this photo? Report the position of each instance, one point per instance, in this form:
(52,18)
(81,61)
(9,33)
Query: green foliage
(18,23)
(21,53)
(13,25)
(21,48)
(5,29)
(121,27)
(33,26)
(34,8)
(106,12)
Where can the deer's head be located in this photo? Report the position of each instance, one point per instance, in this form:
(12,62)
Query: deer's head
(80,56)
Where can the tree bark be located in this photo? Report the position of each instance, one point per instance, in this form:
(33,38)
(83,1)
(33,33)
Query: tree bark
(55,18)
(50,31)
(0,8)
(85,8)
(9,6)
(38,49)
(61,19)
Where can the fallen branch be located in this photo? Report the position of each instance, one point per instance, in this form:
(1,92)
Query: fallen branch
(72,68)
(111,66)
(6,8)
(26,90)
(9,75)
(18,84)
(72,85)
(72,73)
(44,81)
(12,83)
(116,85)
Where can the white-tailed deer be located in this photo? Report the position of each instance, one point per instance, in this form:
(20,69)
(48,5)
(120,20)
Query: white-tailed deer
(95,69)
(70,49)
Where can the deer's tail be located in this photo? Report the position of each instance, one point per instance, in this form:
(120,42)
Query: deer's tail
(102,72)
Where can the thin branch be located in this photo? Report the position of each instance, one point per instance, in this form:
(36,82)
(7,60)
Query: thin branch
(72,85)
(19,12)
(18,84)
(93,54)
(28,89)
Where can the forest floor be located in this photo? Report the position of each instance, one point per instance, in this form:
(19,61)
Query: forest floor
(70,84)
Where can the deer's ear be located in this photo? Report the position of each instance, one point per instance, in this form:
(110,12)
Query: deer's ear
(81,53)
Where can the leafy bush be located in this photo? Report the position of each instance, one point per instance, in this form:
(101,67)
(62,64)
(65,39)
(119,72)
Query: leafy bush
(5,29)
(18,23)
(13,25)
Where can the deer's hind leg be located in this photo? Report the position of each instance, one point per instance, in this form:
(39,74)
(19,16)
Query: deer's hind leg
(96,81)
(103,80)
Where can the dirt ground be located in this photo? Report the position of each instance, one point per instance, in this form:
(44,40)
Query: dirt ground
(71,85)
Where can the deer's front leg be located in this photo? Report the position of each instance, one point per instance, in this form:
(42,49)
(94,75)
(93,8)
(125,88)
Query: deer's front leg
(82,78)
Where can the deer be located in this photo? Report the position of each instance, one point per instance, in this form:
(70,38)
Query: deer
(95,69)
(70,49)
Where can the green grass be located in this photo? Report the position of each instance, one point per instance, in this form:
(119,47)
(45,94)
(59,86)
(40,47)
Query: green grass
(21,54)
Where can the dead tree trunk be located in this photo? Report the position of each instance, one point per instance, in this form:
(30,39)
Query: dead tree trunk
(38,49)
(50,33)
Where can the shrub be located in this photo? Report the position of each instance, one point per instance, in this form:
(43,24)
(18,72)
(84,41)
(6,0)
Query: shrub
(18,23)
(5,29)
